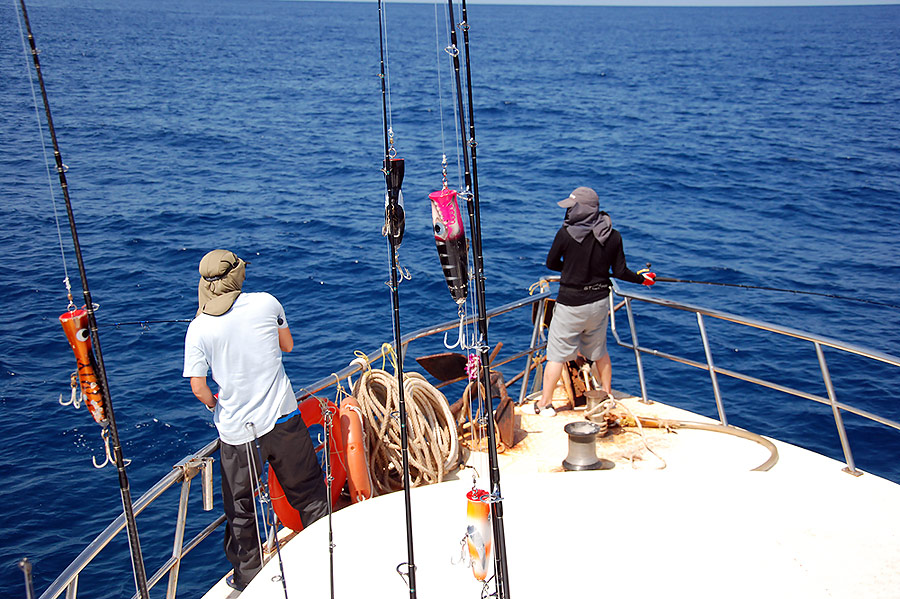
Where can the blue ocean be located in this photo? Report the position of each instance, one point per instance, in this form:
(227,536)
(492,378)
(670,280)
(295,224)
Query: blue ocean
(752,146)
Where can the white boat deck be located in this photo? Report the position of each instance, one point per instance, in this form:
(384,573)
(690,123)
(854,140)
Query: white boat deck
(704,526)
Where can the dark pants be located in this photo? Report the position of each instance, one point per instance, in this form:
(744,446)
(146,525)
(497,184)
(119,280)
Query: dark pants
(289,450)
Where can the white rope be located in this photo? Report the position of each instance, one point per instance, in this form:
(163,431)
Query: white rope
(433,441)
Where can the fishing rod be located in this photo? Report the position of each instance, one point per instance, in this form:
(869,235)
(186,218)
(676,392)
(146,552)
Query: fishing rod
(831,295)
(264,497)
(501,569)
(140,575)
(393,170)
(327,417)
(143,323)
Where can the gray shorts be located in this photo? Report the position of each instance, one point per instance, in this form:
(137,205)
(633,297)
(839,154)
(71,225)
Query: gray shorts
(578,329)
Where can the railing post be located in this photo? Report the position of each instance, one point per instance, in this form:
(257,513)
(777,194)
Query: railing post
(712,370)
(838,420)
(535,332)
(189,470)
(637,352)
(72,589)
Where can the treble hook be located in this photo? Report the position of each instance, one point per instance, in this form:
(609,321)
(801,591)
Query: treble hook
(461,340)
(73,381)
(403,273)
(109,457)
(463,553)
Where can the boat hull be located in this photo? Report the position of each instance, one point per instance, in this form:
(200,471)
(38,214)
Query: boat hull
(622,532)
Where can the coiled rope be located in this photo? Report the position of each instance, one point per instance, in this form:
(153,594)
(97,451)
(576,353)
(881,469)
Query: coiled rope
(434,443)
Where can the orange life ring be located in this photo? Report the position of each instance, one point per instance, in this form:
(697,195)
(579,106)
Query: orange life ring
(75,325)
(311,412)
(353,438)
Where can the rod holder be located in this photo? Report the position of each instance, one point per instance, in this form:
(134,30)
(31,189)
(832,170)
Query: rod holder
(25,566)
(207,483)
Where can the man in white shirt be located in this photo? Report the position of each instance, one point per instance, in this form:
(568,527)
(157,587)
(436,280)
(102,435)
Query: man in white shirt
(241,337)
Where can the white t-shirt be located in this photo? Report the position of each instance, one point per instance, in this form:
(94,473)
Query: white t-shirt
(242,348)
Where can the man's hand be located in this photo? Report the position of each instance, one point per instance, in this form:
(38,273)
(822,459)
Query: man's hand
(649,277)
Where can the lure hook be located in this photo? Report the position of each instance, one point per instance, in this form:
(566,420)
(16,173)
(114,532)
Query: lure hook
(462,552)
(73,381)
(461,339)
(108,459)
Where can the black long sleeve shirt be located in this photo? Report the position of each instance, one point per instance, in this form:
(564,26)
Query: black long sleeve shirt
(586,267)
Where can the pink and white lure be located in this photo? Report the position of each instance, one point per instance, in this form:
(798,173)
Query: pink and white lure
(450,237)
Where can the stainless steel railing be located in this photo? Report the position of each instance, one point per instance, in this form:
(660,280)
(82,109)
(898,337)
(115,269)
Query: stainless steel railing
(183,472)
(200,462)
(817,341)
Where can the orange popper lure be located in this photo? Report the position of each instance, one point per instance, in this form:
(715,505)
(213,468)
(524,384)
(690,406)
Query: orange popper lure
(75,325)
(478,531)
(450,237)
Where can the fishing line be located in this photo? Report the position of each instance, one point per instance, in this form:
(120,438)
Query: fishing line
(37,118)
(451,52)
(140,575)
(385,72)
(437,48)
(831,295)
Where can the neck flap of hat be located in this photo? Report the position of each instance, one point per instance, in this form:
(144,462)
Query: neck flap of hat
(582,219)
(221,277)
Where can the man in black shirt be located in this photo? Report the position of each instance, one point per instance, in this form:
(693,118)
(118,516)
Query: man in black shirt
(587,251)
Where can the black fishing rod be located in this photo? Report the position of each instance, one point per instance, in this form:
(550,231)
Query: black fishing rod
(831,295)
(144,323)
(327,416)
(393,170)
(501,569)
(140,576)
(264,497)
